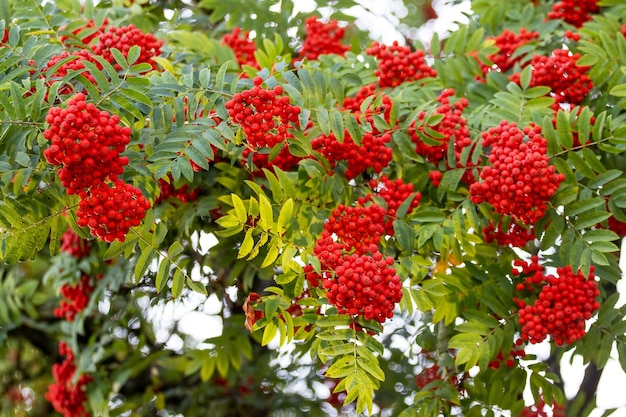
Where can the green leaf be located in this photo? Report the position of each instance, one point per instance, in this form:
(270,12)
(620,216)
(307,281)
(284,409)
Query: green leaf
(178,282)
(266,220)
(273,252)
(284,217)
(246,245)
(269,333)
(162,275)
(147,255)
(240,209)
(338,350)
(334,320)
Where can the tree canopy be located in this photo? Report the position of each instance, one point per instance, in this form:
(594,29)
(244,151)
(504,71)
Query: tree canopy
(363,228)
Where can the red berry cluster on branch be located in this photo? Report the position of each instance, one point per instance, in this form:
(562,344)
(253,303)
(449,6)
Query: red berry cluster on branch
(365,285)
(568,81)
(357,227)
(574,12)
(563,304)
(515,235)
(111,209)
(77,297)
(264,115)
(508,42)
(323,38)
(86,142)
(242,46)
(123,38)
(520,180)
(373,152)
(75,245)
(66,396)
(397,64)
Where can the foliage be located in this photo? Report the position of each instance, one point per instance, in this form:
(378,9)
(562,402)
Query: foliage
(282,188)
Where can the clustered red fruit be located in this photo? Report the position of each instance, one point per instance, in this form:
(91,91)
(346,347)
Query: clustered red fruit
(111,209)
(515,235)
(77,297)
(568,81)
(167,190)
(75,245)
(574,12)
(520,180)
(383,110)
(56,69)
(323,38)
(365,285)
(397,64)
(373,152)
(562,305)
(356,227)
(265,117)
(394,193)
(86,142)
(123,38)
(515,353)
(66,396)
(508,42)
(242,46)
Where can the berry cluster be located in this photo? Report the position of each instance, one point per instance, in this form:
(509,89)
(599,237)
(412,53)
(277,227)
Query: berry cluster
(508,42)
(515,353)
(515,235)
(123,38)
(520,181)
(373,152)
(77,297)
(54,71)
(357,227)
(397,64)
(86,142)
(323,38)
(111,209)
(567,80)
(242,46)
(75,245)
(541,409)
(562,305)
(383,110)
(66,396)
(365,285)
(394,193)
(574,12)
(264,115)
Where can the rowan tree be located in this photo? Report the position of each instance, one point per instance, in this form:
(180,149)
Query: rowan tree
(364,227)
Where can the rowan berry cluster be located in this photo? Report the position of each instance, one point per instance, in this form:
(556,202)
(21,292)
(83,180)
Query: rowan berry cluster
(242,46)
(520,180)
(66,396)
(365,285)
(515,235)
(563,304)
(394,193)
(75,245)
(574,12)
(77,297)
(75,64)
(111,209)
(452,125)
(373,152)
(567,80)
(397,64)
(86,142)
(264,115)
(123,38)
(383,110)
(323,38)
(508,42)
(514,354)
